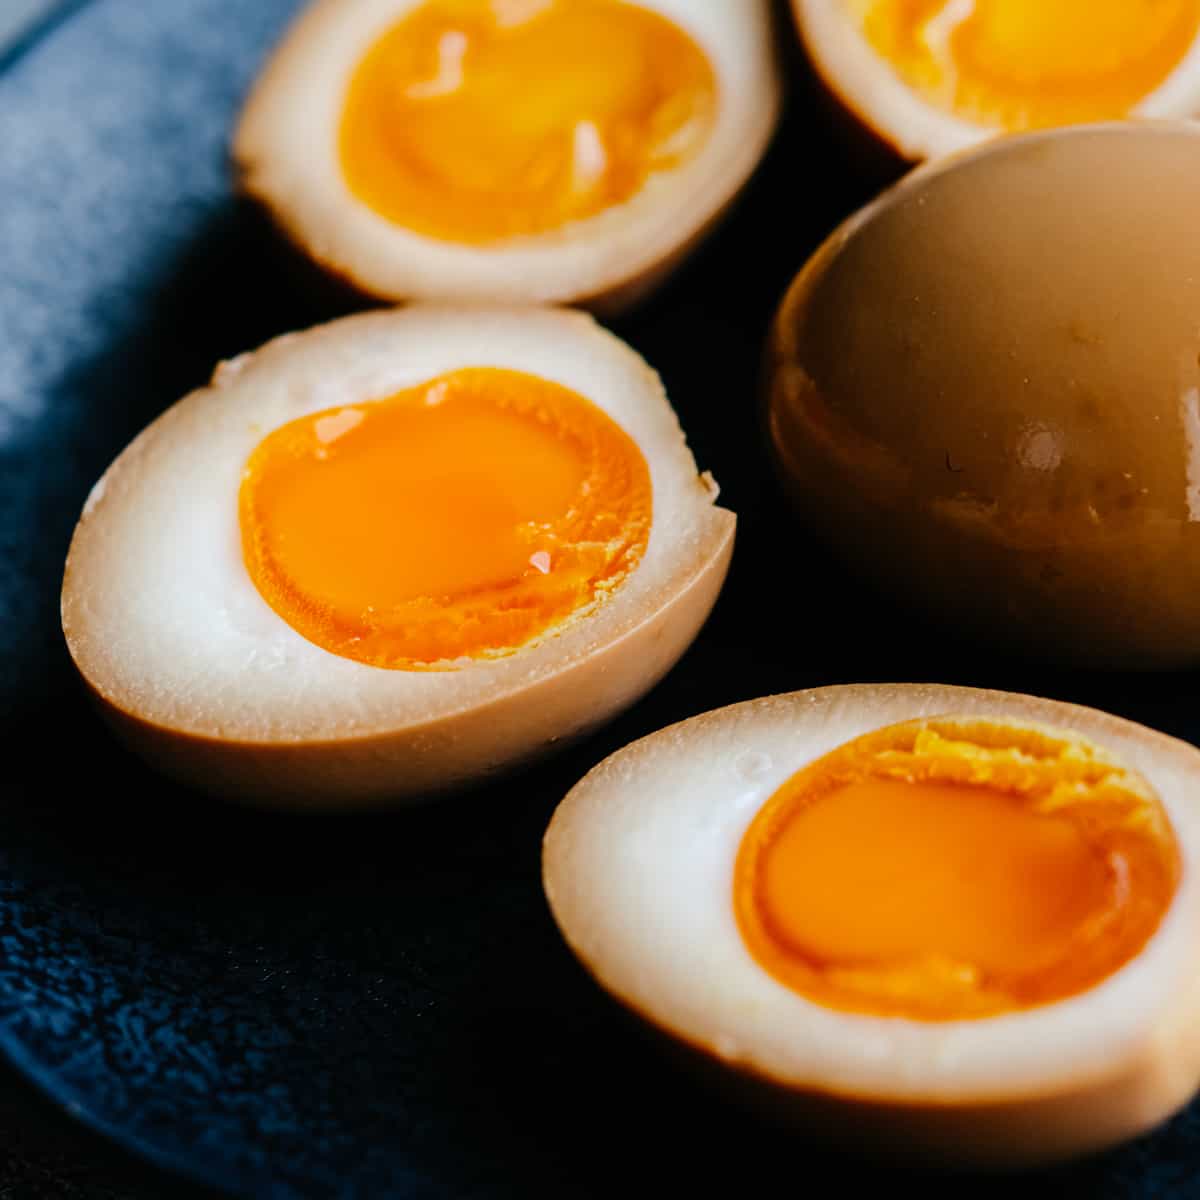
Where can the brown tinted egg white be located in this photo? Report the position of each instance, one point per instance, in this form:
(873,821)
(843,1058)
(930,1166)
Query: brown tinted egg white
(393,555)
(933,922)
(984,391)
(508,150)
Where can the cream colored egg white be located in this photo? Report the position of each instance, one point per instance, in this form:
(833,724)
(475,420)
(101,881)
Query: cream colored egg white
(167,627)
(286,149)
(885,104)
(638,869)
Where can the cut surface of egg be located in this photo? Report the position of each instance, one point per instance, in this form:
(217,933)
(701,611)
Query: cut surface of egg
(508,149)
(951,868)
(984,391)
(936,921)
(932,76)
(393,554)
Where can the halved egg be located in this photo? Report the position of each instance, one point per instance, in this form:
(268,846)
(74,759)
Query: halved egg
(392,555)
(932,76)
(984,392)
(930,920)
(508,150)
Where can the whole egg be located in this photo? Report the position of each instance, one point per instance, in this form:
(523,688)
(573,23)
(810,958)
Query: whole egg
(984,392)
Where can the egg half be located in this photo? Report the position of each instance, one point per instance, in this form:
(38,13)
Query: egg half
(508,150)
(933,76)
(393,555)
(927,920)
(984,393)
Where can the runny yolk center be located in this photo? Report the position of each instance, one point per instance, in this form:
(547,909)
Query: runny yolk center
(1025,64)
(949,869)
(477,120)
(458,519)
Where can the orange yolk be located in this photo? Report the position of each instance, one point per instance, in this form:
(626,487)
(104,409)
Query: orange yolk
(947,869)
(477,120)
(458,519)
(1023,64)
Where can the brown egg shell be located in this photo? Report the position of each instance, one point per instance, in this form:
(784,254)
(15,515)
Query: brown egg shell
(285,158)
(983,392)
(1014,1091)
(200,676)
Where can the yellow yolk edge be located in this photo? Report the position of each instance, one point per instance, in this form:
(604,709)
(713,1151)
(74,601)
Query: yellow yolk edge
(949,868)
(473,121)
(459,519)
(1027,64)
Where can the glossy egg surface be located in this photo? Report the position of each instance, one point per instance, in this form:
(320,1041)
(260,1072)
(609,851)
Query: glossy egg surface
(984,391)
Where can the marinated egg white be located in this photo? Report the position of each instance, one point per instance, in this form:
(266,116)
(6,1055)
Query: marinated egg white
(1022,842)
(392,555)
(508,150)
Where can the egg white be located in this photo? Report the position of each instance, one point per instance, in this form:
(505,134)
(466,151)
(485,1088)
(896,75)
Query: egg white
(286,148)
(885,104)
(166,625)
(638,869)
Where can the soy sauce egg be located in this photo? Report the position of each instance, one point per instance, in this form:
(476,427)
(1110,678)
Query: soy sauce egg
(393,555)
(929,77)
(514,150)
(932,921)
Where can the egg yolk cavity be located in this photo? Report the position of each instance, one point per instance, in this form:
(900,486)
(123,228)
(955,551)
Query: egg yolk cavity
(1024,64)
(946,869)
(459,519)
(473,121)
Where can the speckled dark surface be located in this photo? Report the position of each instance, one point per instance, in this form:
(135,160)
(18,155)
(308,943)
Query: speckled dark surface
(368,1007)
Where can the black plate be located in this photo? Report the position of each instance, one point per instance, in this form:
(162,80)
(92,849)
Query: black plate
(366,1007)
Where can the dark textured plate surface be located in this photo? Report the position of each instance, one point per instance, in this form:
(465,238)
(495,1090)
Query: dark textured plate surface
(366,1007)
